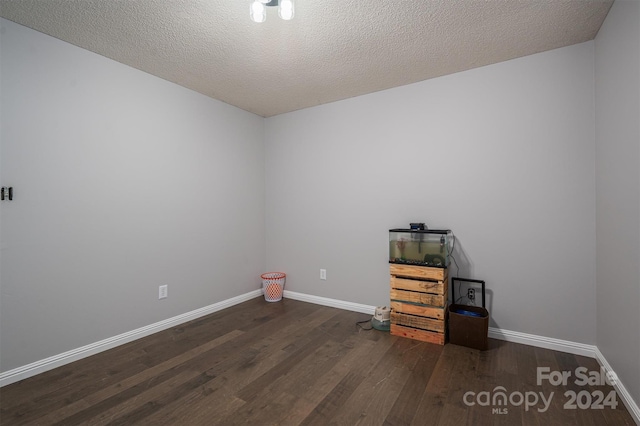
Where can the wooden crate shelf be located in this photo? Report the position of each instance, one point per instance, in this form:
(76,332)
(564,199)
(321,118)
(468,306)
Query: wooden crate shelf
(415,309)
(419,272)
(419,302)
(416,321)
(433,287)
(418,297)
(417,334)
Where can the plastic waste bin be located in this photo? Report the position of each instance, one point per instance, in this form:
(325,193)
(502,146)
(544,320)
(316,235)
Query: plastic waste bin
(273,285)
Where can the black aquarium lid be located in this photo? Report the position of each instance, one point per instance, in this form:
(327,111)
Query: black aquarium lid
(423,231)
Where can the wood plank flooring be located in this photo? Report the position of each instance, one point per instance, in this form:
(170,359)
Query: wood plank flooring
(295,363)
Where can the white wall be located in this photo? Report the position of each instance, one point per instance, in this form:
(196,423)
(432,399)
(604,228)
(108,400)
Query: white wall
(617,66)
(123,182)
(503,155)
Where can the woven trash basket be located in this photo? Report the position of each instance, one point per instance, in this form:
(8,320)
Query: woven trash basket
(273,285)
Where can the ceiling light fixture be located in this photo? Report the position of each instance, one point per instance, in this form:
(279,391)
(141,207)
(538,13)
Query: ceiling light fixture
(258,10)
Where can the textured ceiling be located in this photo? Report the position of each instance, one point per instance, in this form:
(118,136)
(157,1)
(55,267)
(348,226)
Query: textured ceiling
(331,50)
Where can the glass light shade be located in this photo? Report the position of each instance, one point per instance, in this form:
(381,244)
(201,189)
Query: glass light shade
(285,9)
(258,11)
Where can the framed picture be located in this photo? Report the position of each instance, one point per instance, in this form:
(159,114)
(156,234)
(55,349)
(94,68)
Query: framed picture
(466,291)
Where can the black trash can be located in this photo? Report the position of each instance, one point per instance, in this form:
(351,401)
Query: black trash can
(469,326)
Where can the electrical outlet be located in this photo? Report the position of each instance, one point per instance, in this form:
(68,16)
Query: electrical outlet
(471,293)
(163,292)
(323,274)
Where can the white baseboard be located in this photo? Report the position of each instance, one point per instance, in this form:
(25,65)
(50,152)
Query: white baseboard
(55,361)
(628,401)
(495,333)
(334,303)
(543,342)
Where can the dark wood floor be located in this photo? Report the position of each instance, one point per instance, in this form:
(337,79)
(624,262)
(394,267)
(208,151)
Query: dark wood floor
(291,363)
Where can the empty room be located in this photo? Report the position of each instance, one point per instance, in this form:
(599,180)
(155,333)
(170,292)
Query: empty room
(296,212)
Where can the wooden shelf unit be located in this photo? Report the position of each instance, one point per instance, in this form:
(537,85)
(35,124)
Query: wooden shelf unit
(419,302)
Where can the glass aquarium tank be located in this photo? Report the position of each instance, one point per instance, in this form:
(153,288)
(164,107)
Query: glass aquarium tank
(428,247)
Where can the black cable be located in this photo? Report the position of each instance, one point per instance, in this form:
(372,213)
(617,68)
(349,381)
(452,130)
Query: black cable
(453,245)
(362,322)
(459,292)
